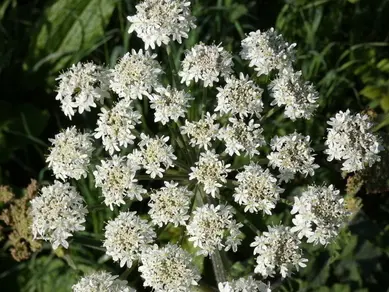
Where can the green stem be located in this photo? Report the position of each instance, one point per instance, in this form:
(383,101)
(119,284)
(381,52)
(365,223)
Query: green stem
(218,267)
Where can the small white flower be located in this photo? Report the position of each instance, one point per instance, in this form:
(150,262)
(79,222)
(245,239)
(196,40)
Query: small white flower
(168,269)
(126,237)
(350,138)
(159,21)
(239,96)
(58,212)
(114,126)
(278,250)
(70,154)
(321,211)
(202,132)
(169,104)
(257,189)
(81,87)
(292,154)
(298,96)
(205,63)
(116,177)
(248,284)
(241,137)
(214,228)
(267,51)
(101,282)
(170,204)
(211,172)
(135,75)
(154,152)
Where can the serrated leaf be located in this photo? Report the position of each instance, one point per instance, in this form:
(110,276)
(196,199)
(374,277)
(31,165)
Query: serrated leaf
(383,65)
(371,92)
(67,30)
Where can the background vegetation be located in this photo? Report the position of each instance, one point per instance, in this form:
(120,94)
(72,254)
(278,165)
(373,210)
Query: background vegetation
(342,48)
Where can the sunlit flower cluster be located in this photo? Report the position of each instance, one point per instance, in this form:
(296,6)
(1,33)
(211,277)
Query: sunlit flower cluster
(248,284)
(101,282)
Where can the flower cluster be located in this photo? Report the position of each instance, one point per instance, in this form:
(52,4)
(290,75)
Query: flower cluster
(278,250)
(257,189)
(57,213)
(298,96)
(70,154)
(152,153)
(116,177)
(205,63)
(292,154)
(350,138)
(126,237)
(214,228)
(321,211)
(194,156)
(114,126)
(135,75)
(267,51)
(81,87)
(159,21)
(248,284)
(101,282)
(211,172)
(170,204)
(169,268)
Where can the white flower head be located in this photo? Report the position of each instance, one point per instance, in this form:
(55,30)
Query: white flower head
(126,237)
(159,21)
(101,282)
(57,213)
(170,204)
(116,177)
(168,269)
(248,284)
(292,154)
(241,137)
(202,132)
(70,154)
(211,172)
(135,75)
(298,96)
(257,189)
(155,153)
(169,104)
(351,139)
(320,213)
(239,96)
(114,126)
(214,228)
(267,51)
(206,63)
(278,250)
(81,87)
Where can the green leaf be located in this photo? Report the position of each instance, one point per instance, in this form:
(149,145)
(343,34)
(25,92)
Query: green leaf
(67,30)
(237,11)
(383,65)
(371,92)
